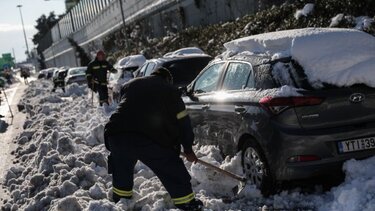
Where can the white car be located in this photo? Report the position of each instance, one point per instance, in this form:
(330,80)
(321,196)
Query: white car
(76,75)
(125,68)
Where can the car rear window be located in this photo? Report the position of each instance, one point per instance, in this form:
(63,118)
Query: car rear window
(290,74)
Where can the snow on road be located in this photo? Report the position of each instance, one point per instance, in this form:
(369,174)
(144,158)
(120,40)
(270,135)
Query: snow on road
(62,166)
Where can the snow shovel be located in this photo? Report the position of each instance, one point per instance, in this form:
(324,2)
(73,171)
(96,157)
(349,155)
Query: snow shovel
(237,189)
(6,99)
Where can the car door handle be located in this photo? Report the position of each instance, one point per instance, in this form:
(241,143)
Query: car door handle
(239,109)
(206,107)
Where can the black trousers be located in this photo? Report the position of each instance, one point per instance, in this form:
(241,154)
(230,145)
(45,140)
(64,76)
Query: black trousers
(166,163)
(103,93)
(59,84)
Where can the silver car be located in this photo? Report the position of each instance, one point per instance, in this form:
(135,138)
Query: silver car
(76,75)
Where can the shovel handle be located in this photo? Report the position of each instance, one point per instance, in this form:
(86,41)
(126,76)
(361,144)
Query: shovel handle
(209,165)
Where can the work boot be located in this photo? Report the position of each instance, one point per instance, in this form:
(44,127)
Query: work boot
(1,116)
(193,205)
(116,198)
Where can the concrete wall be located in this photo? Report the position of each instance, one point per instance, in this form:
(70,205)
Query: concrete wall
(157,18)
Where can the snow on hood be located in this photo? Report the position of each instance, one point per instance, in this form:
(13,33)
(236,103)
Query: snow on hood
(341,57)
(60,164)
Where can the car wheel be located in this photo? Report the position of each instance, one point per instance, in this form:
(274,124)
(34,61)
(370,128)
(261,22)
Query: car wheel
(256,168)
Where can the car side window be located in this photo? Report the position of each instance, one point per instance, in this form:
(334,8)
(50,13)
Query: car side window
(209,79)
(238,76)
(150,69)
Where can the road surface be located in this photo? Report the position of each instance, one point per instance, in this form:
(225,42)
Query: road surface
(9,128)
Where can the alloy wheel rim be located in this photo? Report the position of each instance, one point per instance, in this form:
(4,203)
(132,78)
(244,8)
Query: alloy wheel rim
(253,166)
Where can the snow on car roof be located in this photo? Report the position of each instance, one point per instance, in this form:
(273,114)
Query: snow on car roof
(131,61)
(341,57)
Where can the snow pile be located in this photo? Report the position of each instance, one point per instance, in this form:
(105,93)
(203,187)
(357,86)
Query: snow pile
(307,9)
(357,193)
(61,161)
(74,90)
(340,57)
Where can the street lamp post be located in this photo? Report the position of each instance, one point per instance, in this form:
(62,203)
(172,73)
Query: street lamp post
(123,22)
(24,32)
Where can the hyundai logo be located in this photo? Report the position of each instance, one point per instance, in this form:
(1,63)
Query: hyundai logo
(357,98)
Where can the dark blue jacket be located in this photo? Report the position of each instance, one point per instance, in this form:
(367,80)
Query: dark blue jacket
(153,108)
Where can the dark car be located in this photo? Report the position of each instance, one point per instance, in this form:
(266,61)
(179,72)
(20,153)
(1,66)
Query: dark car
(183,68)
(232,104)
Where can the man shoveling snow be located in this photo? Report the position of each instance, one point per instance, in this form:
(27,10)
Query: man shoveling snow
(152,133)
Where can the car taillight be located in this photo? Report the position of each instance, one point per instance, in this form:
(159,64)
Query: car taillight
(279,104)
(303,158)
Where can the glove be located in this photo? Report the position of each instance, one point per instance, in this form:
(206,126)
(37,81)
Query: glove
(191,157)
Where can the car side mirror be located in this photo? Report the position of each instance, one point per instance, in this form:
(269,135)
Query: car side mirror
(187,91)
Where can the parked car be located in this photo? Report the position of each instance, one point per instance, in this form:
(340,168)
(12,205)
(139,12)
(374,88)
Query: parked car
(76,75)
(184,68)
(125,68)
(47,73)
(310,132)
(59,80)
(55,73)
(51,72)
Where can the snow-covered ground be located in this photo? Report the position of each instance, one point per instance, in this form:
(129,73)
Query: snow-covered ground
(61,165)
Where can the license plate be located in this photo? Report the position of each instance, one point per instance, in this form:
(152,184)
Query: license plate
(356,144)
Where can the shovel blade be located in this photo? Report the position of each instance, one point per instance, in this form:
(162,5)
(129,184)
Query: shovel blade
(238,188)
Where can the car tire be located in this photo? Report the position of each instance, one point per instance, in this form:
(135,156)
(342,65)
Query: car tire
(256,168)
